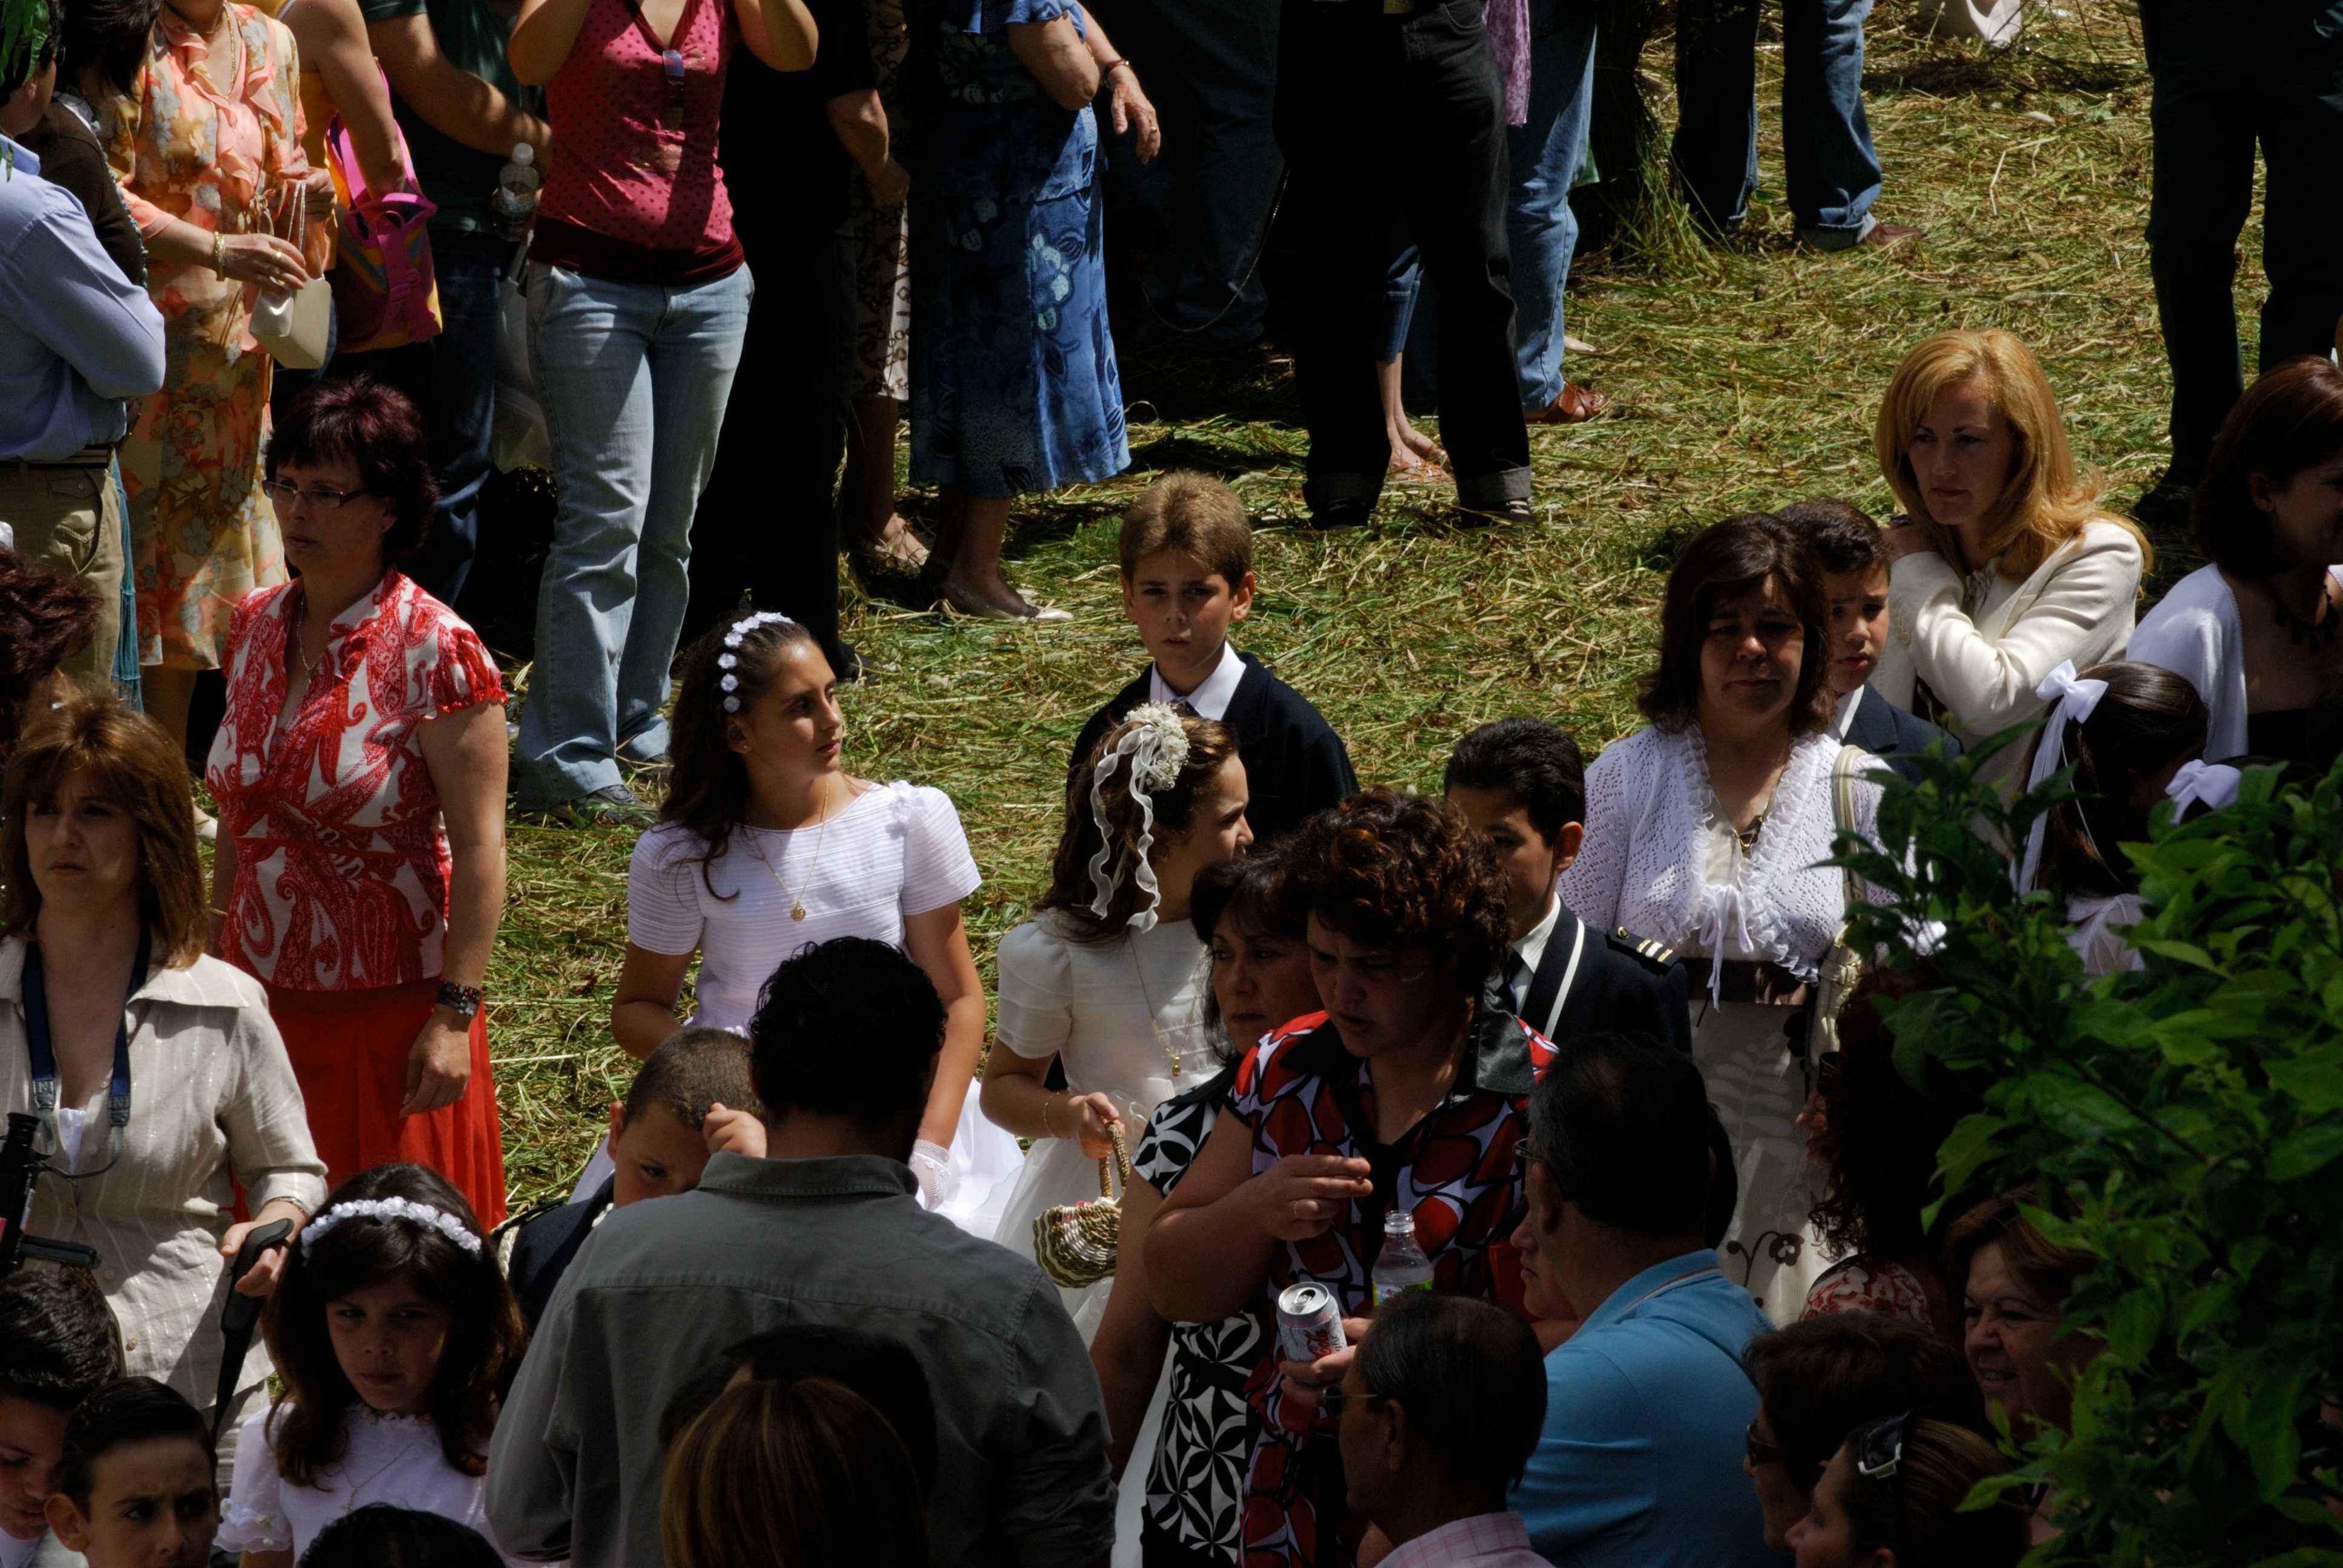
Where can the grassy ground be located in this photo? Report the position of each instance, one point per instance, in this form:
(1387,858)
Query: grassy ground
(1743,380)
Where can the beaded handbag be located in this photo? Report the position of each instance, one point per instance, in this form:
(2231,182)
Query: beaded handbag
(1075,1243)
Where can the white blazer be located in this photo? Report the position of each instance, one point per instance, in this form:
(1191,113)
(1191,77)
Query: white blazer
(2196,631)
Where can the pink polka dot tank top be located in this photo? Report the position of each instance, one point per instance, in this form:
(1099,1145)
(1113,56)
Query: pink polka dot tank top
(633,190)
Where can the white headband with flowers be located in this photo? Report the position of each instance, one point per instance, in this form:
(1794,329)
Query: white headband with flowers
(387,1209)
(1154,742)
(728,661)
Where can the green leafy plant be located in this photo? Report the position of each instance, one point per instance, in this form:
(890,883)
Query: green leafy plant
(2183,1124)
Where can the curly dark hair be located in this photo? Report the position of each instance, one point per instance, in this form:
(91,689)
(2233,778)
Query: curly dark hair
(310,1430)
(707,791)
(1884,1134)
(1405,871)
(372,425)
(46,619)
(1733,557)
(1210,745)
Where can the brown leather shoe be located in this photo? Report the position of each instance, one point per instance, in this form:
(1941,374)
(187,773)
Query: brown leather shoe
(1888,236)
(1575,406)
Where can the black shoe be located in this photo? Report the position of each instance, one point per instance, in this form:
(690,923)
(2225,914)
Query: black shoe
(1495,515)
(2164,507)
(848,664)
(1341,515)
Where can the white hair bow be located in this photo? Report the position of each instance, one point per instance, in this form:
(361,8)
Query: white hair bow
(2073,702)
(1155,744)
(2212,784)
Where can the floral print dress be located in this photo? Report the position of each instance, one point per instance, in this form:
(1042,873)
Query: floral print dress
(211,137)
(1013,381)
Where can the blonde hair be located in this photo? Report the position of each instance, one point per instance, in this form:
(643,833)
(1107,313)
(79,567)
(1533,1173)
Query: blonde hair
(1193,514)
(2045,501)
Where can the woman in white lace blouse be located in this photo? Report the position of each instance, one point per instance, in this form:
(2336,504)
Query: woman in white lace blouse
(1705,830)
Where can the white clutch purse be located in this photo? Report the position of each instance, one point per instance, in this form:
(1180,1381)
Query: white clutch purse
(296,328)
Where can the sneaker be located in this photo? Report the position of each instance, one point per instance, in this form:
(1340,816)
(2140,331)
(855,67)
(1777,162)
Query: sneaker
(1496,514)
(611,806)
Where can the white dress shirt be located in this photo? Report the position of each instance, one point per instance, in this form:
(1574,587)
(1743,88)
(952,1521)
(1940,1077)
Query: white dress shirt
(1530,950)
(1846,706)
(1485,1540)
(1212,694)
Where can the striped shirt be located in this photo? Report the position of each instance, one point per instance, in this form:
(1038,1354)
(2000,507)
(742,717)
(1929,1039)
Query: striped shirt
(212,1095)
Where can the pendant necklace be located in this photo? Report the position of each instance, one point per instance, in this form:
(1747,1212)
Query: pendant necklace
(2317,631)
(797,899)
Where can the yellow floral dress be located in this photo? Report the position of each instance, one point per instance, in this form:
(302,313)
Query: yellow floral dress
(212,136)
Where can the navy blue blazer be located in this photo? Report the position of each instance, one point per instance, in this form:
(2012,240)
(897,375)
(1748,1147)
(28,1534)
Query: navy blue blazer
(1887,733)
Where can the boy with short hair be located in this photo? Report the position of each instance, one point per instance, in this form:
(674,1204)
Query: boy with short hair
(58,1346)
(1848,544)
(135,1488)
(659,1142)
(1186,555)
(1522,785)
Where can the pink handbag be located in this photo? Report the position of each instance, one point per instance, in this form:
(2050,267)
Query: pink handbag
(384,289)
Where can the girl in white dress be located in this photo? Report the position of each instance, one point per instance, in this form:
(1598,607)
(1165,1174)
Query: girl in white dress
(766,844)
(1705,830)
(1109,978)
(393,1330)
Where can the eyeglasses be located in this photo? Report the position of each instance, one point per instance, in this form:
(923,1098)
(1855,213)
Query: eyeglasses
(1518,1215)
(1760,1450)
(1879,1456)
(288,495)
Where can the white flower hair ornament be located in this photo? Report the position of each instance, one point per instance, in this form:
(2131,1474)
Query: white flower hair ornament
(2073,702)
(728,661)
(387,1209)
(1154,746)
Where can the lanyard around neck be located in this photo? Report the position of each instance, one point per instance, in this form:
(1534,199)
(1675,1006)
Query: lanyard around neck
(44,1058)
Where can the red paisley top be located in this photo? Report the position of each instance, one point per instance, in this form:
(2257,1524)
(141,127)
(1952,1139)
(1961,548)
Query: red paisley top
(1458,1172)
(341,869)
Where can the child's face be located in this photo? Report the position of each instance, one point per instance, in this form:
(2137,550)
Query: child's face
(1183,611)
(388,1339)
(151,1505)
(31,1440)
(1858,620)
(1531,862)
(656,1155)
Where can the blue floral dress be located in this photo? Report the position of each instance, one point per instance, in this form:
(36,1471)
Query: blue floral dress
(1013,381)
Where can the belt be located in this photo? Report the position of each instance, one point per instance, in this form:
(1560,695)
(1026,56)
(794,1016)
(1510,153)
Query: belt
(93,457)
(1747,980)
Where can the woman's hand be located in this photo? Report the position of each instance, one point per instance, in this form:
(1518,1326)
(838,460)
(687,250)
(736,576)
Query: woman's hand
(1130,107)
(730,1131)
(1304,1384)
(276,266)
(269,1267)
(317,186)
(1302,1195)
(1908,539)
(1092,1117)
(439,1064)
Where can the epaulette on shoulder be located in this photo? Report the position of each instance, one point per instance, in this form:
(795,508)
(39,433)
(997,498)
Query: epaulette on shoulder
(1649,951)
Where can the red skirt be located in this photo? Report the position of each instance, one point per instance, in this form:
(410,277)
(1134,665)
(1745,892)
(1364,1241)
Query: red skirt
(349,1050)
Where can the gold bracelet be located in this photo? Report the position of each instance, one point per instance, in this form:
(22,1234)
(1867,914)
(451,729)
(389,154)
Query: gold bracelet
(219,255)
(1046,1101)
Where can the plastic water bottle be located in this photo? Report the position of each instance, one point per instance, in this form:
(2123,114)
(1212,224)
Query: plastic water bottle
(1402,1265)
(514,204)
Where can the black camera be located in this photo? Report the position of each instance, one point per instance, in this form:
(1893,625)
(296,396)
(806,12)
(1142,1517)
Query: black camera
(20,1169)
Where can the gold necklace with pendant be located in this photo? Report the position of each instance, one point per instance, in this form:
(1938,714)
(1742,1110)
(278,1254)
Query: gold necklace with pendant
(796,900)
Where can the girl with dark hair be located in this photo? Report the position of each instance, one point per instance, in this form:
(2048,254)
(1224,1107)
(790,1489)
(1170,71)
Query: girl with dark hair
(396,1337)
(359,769)
(1893,1497)
(1190,1445)
(767,844)
(2124,729)
(47,621)
(1108,978)
(2255,630)
(1709,829)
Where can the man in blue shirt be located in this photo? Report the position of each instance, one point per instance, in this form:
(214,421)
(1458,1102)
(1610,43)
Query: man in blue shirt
(78,340)
(1646,1404)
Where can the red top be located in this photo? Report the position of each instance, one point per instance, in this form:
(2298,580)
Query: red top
(634,194)
(341,853)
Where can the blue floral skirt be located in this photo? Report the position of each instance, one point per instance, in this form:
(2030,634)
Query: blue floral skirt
(1013,381)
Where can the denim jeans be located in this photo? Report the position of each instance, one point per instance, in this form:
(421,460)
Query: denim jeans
(2218,93)
(1543,155)
(1829,168)
(634,378)
(452,379)
(1391,128)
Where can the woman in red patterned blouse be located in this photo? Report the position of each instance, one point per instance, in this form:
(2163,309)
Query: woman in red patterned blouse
(1408,1091)
(360,776)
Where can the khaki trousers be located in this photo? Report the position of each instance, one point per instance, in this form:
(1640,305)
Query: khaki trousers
(69,521)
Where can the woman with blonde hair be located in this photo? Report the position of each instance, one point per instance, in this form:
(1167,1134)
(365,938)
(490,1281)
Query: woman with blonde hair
(2004,565)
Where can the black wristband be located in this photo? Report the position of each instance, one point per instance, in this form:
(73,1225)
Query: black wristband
(463,1000)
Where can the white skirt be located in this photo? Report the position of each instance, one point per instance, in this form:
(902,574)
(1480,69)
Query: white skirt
(1758,1089)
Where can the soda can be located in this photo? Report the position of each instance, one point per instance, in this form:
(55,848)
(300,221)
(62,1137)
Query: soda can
(1309,1321)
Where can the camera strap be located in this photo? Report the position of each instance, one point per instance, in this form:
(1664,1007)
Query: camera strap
(45,1058)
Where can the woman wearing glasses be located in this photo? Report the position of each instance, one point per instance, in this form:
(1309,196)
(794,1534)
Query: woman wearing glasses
(360,776)
(1892,1496)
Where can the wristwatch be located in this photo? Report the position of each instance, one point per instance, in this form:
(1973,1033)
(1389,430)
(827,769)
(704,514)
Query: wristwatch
(463,1000)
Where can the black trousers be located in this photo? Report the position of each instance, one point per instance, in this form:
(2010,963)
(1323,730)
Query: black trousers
(767,529)
(1393,131)
(2223,88)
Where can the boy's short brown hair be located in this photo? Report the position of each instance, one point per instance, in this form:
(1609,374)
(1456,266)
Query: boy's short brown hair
(1840,533)
(1195,515)
(692,1069)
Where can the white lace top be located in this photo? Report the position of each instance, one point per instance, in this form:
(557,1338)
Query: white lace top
(391,1458)
(1651,861)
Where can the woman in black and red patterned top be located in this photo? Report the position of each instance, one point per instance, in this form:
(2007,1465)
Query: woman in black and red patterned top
(1408,1091)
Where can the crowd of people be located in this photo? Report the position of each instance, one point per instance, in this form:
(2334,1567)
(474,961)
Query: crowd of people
(1334,1175)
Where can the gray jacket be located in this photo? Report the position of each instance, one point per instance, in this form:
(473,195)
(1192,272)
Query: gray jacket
(662,1287)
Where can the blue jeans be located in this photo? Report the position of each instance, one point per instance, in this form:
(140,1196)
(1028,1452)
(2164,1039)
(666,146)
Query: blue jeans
(634,378)
(1543,155)
(1830,171)
(127,683)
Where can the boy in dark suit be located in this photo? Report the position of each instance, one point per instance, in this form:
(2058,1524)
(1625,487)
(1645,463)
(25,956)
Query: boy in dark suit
(658,1144)
(1855,576)
(1521,784)
(1187,577)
